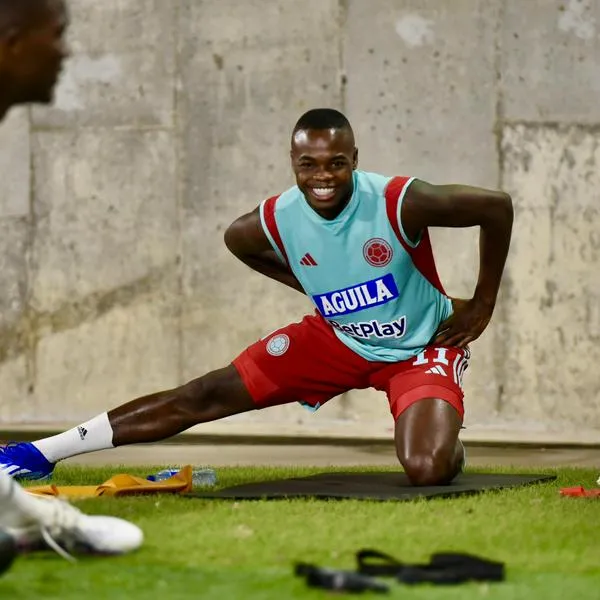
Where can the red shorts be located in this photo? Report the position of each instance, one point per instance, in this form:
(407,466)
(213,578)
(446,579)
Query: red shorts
(305,362)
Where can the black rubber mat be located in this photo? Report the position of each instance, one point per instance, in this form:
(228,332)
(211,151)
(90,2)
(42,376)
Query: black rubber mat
(370,486)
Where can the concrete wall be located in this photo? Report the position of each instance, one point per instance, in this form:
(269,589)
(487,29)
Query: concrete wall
(173,117)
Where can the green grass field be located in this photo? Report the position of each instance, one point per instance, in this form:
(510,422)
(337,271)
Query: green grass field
(246,550)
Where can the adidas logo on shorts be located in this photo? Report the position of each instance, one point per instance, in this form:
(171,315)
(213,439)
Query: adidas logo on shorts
(437,370)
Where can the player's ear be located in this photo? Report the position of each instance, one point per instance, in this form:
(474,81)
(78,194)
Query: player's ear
(10,40)
(355,159)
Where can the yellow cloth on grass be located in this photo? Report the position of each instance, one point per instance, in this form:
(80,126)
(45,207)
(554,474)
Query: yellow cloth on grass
(121,485)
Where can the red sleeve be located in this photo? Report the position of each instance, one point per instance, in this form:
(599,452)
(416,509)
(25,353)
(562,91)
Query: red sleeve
(271,224)
(422,253)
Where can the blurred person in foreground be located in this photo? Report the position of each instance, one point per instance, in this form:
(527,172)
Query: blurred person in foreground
(32,51)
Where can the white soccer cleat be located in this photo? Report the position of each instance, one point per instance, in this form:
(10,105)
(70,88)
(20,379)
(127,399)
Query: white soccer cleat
(54,523)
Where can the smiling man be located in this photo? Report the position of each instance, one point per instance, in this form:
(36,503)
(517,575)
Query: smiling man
(357,244)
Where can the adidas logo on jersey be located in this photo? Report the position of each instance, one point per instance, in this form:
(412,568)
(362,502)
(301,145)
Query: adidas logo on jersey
(82,432)
(308,261)
(358,297)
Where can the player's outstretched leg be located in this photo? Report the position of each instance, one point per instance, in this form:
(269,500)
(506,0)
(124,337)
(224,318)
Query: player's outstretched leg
(427,444)
(151,418)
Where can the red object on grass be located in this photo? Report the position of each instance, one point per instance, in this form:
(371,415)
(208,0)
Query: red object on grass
(580,492)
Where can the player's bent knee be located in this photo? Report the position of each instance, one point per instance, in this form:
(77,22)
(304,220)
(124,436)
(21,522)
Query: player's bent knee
(429,468)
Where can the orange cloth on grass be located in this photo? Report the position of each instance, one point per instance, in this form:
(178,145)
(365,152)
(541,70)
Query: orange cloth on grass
(121,485)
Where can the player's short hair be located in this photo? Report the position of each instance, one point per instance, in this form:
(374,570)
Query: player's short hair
(322,118)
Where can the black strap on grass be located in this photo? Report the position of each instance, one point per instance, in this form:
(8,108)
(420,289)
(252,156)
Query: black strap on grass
(443,568)
(373,562)
(339,580)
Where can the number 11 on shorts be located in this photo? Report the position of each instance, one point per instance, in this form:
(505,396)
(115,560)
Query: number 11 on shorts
(440,357)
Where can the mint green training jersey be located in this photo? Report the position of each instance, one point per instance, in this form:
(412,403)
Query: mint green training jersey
(378,290)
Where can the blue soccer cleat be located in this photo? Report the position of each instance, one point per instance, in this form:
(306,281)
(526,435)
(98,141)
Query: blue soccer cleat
(22,460)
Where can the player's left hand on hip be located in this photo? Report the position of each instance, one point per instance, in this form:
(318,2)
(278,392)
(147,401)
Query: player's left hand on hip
(467,323)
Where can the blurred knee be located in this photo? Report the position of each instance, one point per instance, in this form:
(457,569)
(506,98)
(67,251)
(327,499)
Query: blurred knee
(429,468)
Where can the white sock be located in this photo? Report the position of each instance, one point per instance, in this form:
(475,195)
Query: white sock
(96,434)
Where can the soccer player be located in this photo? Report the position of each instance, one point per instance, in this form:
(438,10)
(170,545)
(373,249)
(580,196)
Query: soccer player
(357,244)
(32,49)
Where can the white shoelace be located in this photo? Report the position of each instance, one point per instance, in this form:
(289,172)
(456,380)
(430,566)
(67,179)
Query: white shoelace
(54,545)
(63,519)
